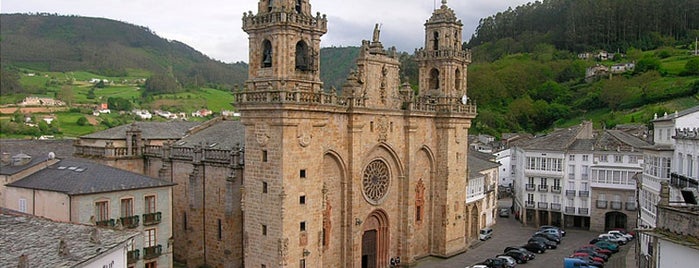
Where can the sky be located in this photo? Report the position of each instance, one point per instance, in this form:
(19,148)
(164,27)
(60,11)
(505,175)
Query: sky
(213,27)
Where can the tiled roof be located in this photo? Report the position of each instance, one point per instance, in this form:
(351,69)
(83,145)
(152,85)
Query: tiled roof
(76,177)
(149,130)
(39,239)
(223,134)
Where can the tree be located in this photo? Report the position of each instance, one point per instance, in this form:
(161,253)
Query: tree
(119,104)
(66,94)
(82,121)
(9,82)
(691,67)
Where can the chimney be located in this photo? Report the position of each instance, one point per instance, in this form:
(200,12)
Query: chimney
(664,194)
(5,158)
(95,236)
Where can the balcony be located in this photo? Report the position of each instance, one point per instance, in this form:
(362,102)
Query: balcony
(542,205)
(152,252)
(615,205)
(556,206)
(583,193)
(151,218)
(530,187)
(681,181)
(570,210)
(543,188)
(570,192)
(105,223)
(601,203)
(529,204)
(132,256)
(130,222)
(631,206)
(556,189)
(583,211)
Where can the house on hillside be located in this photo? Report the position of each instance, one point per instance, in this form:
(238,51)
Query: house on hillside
(38,101)
(622,67)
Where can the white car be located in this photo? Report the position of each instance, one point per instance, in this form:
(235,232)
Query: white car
(618,233)
(477,266)
(618,239)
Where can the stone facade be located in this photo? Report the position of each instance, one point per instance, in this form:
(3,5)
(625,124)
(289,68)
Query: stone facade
(339,180)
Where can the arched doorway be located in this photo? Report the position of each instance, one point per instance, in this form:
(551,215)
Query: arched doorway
(614,219)
(375,240)
(474,220)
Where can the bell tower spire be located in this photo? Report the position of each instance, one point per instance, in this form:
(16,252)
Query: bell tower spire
(284,41)
(443,61)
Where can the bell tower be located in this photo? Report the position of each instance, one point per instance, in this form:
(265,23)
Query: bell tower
(443,62)
(284,42)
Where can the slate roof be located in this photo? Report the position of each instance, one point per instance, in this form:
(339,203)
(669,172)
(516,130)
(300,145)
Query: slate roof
(38,149)
(557,140)
(671,116)
(223,135)
(172,130)
(76,177)
(477,163)
(39,238)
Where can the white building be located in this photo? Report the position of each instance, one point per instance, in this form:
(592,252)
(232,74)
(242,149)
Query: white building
(481,195)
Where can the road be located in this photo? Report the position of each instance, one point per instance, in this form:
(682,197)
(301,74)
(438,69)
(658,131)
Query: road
(510,232)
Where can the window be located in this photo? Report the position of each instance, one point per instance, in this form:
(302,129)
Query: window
(150,204)
(603,158)
(298,6)
(543,181)
(267,53)
(542,197)
(571,185)
(302,226)
(302,263)
(601,197)
(264,187)
(184,221)
(633,159)
(571,171)
(690,165)
(584,186)
(584,172)
(101,211)
(22,205)
(151,265)
(571,157)
(302,173)
(264,229)
(220,230)
(302,200)
(127,207)
(585,157)
(264,155)
(618,158)
(530,197)
(150,238)
(557,182)
(557,199)
(303,59)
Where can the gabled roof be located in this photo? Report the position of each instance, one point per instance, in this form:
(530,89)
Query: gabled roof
(172,130)
(39,239)
(558,140)
(678,114)
(223,135)
(76,177)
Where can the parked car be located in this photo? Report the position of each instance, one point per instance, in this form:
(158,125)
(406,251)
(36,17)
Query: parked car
(552,232)
(623,231)
(598,239)
(619,233)
(548,244)
(535,247)
(504,213)
(592,253)
(613,238)
(520,257)
(574,263)
(608,245)
(495,263)
(598,249)
(590,261)
(550,237)
(530,254)
(477,266)
(586,255)
(544,227)
(511,262)
(485,234)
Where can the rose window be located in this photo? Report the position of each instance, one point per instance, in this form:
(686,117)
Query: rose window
(376,181)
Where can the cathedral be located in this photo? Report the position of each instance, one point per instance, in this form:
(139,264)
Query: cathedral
(372,175)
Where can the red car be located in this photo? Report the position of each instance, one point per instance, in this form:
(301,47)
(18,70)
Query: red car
(585,255)
(599,250)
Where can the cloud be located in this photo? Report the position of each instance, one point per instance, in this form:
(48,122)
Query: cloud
(214,26)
